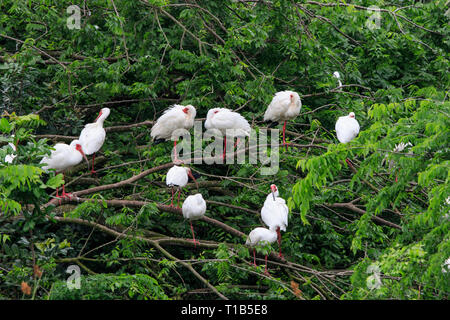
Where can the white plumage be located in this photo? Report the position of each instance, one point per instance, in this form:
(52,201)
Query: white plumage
(64,157)
(260,236)
(228,122)
(172,120)
(275,213)
(194,207)
(338,77)
(176,117)
(93,135)
(347,128)
(10,157)
(285,105)
(177,176)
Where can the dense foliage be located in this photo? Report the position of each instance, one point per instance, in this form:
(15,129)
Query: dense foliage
(376,228)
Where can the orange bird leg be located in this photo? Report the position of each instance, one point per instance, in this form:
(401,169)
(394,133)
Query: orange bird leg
(350,165)
(193,235)
(279,241)
(64,194)
(396,176)
(171,203)
(93,160)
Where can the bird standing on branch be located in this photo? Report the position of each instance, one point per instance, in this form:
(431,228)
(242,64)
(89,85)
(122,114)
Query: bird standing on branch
(175,118)
(347,128)
(228,123)
(10,157)
(275,213)
(261,236)
(337,75)
(194,207)
(62,158)
(93,135)
(285,105)
(178,176)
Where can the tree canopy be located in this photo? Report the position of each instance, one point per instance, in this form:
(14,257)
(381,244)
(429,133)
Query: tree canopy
(367,219)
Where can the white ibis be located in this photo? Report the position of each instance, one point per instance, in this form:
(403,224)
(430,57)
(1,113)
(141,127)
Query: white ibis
(64,157)
(285,106)
(275,213)
(261,236)
(228,123)
(337,75)
(347,128)
(174,118)
(178,176)
(93,135)
(194,207)
(10,157)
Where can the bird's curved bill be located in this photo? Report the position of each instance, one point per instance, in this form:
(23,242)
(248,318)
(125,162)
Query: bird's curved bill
(84,156)
(99,115)
(273,194)
(193,178)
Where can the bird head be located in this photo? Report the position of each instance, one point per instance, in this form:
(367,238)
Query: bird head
(295,98)
(212,112)
(79,148)
(351,115)
(274,191)
(190,110)
(104,113)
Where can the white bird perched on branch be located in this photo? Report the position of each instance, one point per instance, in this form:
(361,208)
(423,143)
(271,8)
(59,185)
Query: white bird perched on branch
(275,213)
(64,157)
(178,176)
(228,123)
(194,207)
(347,128)
(175,118)
(93,135)
(285,105)
(261,236)
(10,157)
(337,75)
